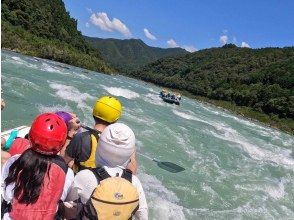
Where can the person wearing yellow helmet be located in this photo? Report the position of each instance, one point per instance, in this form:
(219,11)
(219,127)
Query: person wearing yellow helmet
(107,109)
(82,148)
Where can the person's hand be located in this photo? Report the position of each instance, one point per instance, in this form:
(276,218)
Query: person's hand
(2,104)
(73,125)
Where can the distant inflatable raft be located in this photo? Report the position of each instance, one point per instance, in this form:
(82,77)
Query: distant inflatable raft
(169,97)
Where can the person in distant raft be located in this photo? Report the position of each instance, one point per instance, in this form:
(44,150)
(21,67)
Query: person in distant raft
(35,183)
(82,148)
(109,191)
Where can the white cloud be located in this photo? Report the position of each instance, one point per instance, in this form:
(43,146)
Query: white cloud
(225,31)
(102,21)
(87,24)
(189,48)
(148,34)
(244,44)
(223,39)
(89,10)
(172,43)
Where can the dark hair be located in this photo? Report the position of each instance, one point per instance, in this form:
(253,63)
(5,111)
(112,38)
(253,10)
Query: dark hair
(28,173)
(100,121)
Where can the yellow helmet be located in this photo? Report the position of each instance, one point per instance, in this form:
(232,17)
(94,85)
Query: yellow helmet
(107,108)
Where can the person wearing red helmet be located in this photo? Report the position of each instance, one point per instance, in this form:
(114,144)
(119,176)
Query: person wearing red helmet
(35,182)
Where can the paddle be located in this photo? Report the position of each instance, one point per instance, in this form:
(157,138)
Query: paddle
(168,166)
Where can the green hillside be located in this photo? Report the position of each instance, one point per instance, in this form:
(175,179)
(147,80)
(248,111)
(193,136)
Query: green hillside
(260,79)
(126,55)
(45,29)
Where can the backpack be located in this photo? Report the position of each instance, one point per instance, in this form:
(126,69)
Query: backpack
(114,197)
(49,201)
(93,135)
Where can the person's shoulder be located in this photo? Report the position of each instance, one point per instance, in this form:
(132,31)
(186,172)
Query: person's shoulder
(136,182)
(86,176)
(8,163)
(80,138)
(135,179)
(11,160)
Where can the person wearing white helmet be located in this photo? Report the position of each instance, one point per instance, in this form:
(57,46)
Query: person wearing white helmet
(116,145)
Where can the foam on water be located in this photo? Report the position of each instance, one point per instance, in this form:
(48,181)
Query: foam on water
(55,108)
(71,93)
(153,99)
(275,191)
(46,67)
(82,76)
(138,117)
(161,200)
(24,84)
(253,151)
(188,116)
(153,91)
(126,93)
(184,143)
(17,59)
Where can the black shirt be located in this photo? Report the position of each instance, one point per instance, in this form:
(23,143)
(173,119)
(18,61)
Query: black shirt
(79,147)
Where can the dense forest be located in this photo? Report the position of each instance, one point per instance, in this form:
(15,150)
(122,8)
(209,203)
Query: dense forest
(262,79)
(45,29)
(130,54)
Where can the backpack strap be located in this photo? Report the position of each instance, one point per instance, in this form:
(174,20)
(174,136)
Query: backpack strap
(60,162)
(96,134)
(100,173)
(93,136)
(127,174)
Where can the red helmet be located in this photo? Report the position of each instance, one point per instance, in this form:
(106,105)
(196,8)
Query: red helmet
(48,133)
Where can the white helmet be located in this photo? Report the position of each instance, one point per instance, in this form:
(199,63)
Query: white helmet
(116,145)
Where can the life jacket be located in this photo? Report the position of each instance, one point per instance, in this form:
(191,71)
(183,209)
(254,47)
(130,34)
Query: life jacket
(47,204)
(114,198)
(19,145)
(90,162)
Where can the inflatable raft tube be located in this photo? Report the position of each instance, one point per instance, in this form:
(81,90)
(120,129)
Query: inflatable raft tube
(21,132)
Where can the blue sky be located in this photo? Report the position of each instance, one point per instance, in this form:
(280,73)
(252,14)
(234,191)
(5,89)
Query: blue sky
(190,24)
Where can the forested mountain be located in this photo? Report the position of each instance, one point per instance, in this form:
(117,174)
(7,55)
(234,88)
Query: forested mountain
(262,79)
(126,55)
(45,29)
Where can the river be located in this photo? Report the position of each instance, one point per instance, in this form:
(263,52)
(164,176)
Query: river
(235,168)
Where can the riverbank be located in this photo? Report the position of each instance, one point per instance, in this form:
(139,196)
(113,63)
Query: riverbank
(273,121)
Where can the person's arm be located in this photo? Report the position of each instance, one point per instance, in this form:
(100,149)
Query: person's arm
(132,165)
(84,184)
(7,192)
(69,179)
(142,212)
(4,156)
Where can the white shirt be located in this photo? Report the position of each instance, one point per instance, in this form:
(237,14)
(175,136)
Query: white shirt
(85,182)
(7,192)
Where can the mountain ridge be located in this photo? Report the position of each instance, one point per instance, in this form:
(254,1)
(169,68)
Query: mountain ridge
(129,54)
